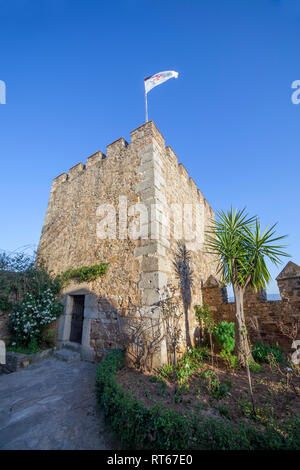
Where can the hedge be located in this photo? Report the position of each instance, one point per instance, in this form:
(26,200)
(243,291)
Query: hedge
(158,428)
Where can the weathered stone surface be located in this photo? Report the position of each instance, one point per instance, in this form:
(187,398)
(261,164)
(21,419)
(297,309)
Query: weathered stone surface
(265,314)
(51,406)
(289,281)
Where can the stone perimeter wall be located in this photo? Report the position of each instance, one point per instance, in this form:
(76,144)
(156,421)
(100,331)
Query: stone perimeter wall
(144,171)
(265,314)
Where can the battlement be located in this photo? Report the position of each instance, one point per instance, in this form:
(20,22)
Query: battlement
(116,147)
(139,137)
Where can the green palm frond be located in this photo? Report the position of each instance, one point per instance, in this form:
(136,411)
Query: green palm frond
(241,248)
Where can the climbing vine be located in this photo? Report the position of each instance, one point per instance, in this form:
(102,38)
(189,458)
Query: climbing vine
(83,274)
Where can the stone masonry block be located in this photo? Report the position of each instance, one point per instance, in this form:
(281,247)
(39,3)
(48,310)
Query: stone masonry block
(154,280)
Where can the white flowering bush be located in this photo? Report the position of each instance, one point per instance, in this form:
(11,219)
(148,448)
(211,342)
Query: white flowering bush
(33,315)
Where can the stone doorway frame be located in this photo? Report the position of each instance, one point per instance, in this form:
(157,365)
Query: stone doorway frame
(64,326)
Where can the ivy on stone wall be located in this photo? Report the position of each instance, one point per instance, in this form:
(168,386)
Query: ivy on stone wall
(84,274)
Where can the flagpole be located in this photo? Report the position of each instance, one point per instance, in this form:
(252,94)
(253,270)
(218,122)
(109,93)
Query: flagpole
(146,105)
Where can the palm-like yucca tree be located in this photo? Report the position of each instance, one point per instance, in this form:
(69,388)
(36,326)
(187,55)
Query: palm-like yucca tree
(241,249)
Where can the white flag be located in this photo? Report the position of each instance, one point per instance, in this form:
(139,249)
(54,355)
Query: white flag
(158,78)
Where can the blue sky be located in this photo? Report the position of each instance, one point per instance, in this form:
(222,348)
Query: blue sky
(74,74)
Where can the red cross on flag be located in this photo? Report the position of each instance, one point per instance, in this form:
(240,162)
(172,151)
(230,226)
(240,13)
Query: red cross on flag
(158,78)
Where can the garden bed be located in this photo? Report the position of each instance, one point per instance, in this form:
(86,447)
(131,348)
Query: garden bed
(275,401)
(143,413)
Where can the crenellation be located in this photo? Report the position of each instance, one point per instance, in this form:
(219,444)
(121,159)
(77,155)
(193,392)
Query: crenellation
(76,170)
(145,134)
(95,158)
(60,179)
(172,155)
(192,183)
(200,195)
(116,147)
(267,314)
(183,171)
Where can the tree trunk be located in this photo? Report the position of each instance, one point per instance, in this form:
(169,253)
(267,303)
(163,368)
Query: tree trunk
(242,347)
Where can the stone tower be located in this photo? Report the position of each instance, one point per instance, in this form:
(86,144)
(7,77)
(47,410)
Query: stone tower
(129,208)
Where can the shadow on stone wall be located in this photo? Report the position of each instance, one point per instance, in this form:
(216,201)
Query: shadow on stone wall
(184,273)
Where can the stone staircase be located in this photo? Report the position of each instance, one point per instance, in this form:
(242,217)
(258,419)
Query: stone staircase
(70,352)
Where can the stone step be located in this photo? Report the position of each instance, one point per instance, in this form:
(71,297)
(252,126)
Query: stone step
(66,355)
(72,346)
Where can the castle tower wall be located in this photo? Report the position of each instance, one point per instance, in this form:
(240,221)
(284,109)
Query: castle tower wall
(142,181)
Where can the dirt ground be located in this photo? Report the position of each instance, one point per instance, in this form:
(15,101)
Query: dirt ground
(275,400)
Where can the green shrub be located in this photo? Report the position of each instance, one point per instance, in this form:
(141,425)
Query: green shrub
(20,274)
(32,316)
(163,429)
(32,348)
(224,334)
(191,360)
(261,352)
(205,317)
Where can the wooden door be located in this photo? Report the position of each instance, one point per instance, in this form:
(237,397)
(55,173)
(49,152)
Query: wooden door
(77,318)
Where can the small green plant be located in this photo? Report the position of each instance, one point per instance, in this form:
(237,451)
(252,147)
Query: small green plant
(184,387)
(166,371)
(156,379)
(224,334)
(178,396)
(206,322)
(161,391)
(231,359)
(224,411)
(207,374)
(254,366)
(217,390)
(228,383)
(246,408)
(261,352)
(199,406)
